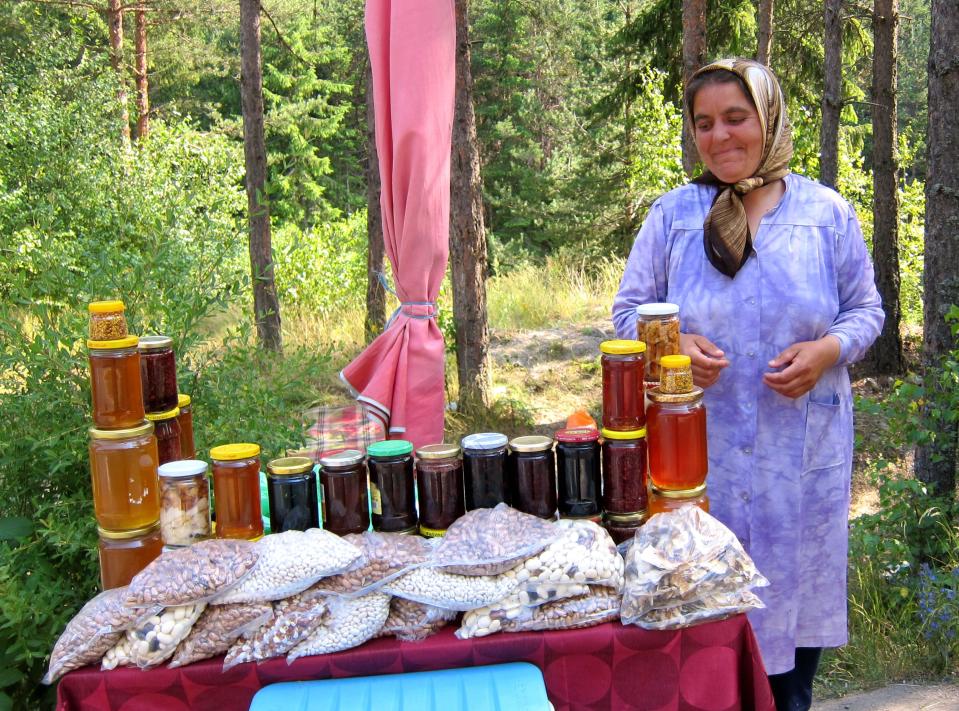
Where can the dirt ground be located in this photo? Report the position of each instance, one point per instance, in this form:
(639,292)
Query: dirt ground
(897,697)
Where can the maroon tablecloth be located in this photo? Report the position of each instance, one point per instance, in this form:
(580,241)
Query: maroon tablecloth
(711,667)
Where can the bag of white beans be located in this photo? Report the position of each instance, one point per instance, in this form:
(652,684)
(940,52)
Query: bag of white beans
(352,622)
(155,640)
(385,556)
(450,591)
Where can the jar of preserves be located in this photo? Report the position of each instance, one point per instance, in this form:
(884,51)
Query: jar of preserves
(676,428)
(392,491)
(185,420)
(168,434)
(123,470)
(158,372)
(623,528)
(123,554)
(184,502)
(115,383)
(439,481)
(533,475)
(484,470)
(291,487)
(346,501)
(107,320)
(236,489)
(578,472)
(623,386)
(662,500)
(657,325)
(624,472)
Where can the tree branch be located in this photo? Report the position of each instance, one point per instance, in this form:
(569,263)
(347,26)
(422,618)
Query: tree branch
(283,41)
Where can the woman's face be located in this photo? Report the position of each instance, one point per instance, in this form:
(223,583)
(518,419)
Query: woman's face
(727,131)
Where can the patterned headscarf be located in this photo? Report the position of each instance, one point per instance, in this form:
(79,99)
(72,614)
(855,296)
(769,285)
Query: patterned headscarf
(726,237)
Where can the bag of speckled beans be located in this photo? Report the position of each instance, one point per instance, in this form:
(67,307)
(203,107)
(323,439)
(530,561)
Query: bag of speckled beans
(155,640)
(385,556)
(351,622)
(414,621)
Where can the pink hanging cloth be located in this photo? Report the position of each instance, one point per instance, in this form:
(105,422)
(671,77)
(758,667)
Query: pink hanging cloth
(412,47)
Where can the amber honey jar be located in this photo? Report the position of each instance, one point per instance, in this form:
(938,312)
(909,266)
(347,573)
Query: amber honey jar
(623,363)
(657,325)
(661,501)
(439,481)
(115,383)
(236,490)
(392,489)
(624,472)
(676,427)
(168,435)
(123,472)
(123,554)
(185,420)
(107,320)
(533,475)
(158,373)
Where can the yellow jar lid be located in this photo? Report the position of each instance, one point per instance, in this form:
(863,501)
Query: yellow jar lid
(138,431)
(675,361)
(126,342)
(625,434)
(134,533)
(105,307)
(622,347)
(438,451)
(230,452)
(635,518)
(167,415)
(183,400)
(289,465)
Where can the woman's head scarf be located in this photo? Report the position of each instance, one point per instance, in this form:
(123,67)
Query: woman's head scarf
(726,235)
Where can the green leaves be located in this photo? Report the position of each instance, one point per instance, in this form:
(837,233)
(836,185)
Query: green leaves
(13,529)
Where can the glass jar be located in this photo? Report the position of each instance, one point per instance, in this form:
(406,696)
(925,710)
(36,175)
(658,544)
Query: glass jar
(107,321)
(291,487)
(185,420)
(676,429)
(623,367)
(622,528)
(184,502)
(236,488)
(661,501)
(392,491)
(578,472)
(657,325)
(123,470)
(346,501)
(439,481)
(676,374)
(158,372)
(167,434)
(484,470)
(115,383)
(123,554)
(533,474)
(624,472)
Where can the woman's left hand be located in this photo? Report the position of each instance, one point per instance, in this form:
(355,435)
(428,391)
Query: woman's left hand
(804,362)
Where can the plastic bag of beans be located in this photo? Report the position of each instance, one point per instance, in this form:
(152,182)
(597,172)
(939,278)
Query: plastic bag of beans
(352,621)
(385,556)
(154,640)
(294,619)
(219,627)
(413,621)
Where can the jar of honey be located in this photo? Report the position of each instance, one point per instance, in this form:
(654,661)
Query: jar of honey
(624,472)
(392,489)
(346,500)
(291,486)
(115,383)
(167,434)
(185,420)
(661,501)
(484,470)
(657,325)
(107,320)
(236,490)
(533,475)
(578,472)
(123,471)
(439,472)
(123,554)
(623,387)
(676,427)
(158,372)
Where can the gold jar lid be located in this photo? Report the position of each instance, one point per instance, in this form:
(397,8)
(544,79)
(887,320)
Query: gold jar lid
(150,343)
(125,535)
(438,451)
(531,443)
(138,431)
(286,466)
(635,518)
(165,415)
(680,493)
(657,395)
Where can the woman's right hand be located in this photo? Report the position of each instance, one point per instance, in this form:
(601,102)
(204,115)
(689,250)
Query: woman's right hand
(707,360)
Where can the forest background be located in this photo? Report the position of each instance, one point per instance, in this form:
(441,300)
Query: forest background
(122,174)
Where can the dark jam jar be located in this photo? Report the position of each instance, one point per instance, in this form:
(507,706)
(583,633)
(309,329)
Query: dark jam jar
(484,470)
(346,501)
(577,464)
(158,373)
(622,528)
(168,435)
(624,472)
(185,418)
(533,475)
(623,371)
(291,487)
(439,480)
(392,494)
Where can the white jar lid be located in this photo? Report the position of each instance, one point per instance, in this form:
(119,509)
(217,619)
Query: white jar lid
(484,440)
(662,309)
(182,467)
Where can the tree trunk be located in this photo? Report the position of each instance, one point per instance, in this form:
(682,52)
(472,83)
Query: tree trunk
(832,94)
(936,462)
(140,72)
(375,293)
(115,25)
(765,37)
(266,306)
(467,233)
(887,351)
(694,56)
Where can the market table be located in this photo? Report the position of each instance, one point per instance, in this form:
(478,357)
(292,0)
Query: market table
(715,666)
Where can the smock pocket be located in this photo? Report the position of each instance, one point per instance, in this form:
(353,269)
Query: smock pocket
(823,444)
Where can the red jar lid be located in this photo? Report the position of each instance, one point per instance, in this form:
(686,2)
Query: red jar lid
(578,434)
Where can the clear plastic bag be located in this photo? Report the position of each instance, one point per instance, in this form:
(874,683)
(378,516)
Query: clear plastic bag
(385,556)
(219,627)
(414,621)
(711,607)
(154,640)
(450,591)
(294,619)
(491,541)
(352,621)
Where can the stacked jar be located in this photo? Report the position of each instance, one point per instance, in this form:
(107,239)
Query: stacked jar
(657,325)
(123,450)
(624,437)
(161,399)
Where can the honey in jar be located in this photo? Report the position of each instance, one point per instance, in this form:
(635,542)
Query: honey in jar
(623,365)
(236,490)
(123,554)
(123,472)
(657,325)
(661,501)
(115,383)
(676,427)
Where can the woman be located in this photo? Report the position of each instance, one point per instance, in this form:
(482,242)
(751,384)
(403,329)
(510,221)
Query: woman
(777,298)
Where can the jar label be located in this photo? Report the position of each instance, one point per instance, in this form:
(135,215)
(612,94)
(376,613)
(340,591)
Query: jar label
(375,500)
(431,532)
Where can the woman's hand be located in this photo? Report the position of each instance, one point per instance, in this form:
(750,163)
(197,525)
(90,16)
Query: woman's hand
(706,359)
(805,363)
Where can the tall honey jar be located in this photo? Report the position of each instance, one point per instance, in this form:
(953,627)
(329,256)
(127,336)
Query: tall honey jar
(115,383)
(123,473)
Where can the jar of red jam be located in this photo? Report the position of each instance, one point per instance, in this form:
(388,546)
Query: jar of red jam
(346,500)
(236,490)
(115,383)
(624,472)
(392,489)
(439,481)
(484,470)
(676,430)
(578,471)
(623,528)
(168,435)
(533,475)
(158,373)
(623,364)
(661,501)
